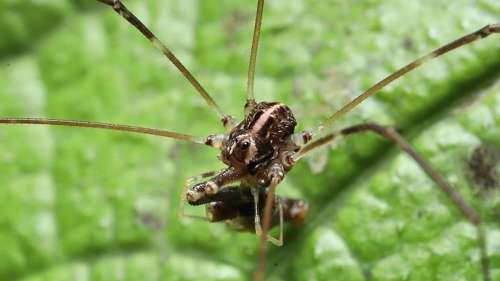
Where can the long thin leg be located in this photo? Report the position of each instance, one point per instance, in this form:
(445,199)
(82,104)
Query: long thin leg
(467,39)
(106,126)
(392,135)
(258,227)
(250,103)
(189,182)
(122,10)
(259,274)
(276,175)
(278,242)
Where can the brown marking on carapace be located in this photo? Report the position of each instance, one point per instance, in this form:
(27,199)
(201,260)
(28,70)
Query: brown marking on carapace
(263,118)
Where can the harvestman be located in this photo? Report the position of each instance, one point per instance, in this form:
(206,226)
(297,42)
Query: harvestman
(262,148)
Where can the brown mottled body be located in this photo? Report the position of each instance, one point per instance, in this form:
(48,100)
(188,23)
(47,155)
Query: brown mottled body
(267,131)
(256,150)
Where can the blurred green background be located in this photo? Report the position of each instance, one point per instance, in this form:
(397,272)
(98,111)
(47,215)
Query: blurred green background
(94,205)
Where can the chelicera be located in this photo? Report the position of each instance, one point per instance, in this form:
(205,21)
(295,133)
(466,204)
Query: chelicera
(263,147)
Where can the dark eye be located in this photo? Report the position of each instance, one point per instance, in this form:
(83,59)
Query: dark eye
(244,145)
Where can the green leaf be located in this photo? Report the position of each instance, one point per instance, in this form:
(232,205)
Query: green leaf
(93,205)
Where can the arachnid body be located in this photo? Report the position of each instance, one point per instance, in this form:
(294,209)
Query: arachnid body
(262,148)
(258,152)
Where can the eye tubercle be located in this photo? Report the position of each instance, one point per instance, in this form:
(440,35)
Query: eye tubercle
(251,151)
(244,144)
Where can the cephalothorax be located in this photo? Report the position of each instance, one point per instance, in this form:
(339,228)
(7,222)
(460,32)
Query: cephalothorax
(263,147)
(262,137)
(261,141)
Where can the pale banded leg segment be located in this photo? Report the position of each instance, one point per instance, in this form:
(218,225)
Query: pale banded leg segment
(201,190)
(302,138)
(199,193)
(215,141)
(190,182)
